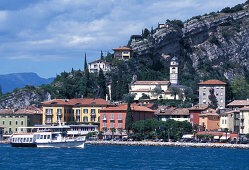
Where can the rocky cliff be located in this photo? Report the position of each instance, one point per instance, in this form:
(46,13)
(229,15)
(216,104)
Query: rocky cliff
(24,97)
(213,45)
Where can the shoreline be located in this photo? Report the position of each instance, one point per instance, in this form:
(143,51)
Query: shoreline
(170,144)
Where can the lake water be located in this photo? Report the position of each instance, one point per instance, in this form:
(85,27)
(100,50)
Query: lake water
(123,157)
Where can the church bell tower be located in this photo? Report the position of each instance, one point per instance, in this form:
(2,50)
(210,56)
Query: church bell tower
(174,71)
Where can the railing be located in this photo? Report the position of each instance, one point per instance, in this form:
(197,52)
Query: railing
(59,113)
(48,113)
(48,121)
(93,113)
(77,114)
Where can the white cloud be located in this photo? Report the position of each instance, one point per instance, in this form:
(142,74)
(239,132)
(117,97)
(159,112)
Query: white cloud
(72,26)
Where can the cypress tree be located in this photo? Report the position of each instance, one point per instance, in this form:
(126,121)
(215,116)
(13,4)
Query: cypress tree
(1,92)
(119,85)
(125,86)
(101,55)
(129,118)
(102,85)
(87,79)
(114,88)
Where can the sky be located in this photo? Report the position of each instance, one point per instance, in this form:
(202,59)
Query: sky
(51,36)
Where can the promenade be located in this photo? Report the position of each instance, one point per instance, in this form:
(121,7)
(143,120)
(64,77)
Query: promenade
(170,144)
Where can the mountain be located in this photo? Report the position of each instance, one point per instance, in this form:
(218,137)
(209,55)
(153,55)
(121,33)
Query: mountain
(212,46)
(9,82)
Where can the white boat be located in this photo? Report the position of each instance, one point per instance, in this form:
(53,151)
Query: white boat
(49,136)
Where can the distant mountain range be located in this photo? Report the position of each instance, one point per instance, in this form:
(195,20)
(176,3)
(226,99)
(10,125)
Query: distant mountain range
(19,80)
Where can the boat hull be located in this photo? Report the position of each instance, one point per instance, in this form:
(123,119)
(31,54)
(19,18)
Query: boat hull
(23,144)
(69,144)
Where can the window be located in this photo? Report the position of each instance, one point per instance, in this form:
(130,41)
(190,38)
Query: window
(16,122)
(126,52)
(204,93)
(10,130)
(221,94)
(120,116)
(104,124)
(3,122)
(119,124)
(16,129)
(191,116)
(98,118)
(214,118)
(112,124)
(59,111)
(85,111)
(225,121)
(21,122)
(104,116)
(221,100)
(92,119)
(10,122)
(222,121)
(112,116)
(85,119)
(93,111)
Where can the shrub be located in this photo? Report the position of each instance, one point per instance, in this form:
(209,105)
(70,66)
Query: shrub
(214,40)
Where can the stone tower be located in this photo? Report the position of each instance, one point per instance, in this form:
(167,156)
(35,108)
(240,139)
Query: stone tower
(174,71)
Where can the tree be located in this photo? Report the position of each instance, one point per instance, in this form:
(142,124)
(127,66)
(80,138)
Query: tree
(87,79)
(101,55)
(100,135)
(129,97)
(240,88)
(129,118)
(119,85)
(146,33)
(213,99)
(175,91)
(120,131)
(114,88)
(113,130)
(156,91)
(102,85)
(144,96)
(189,94)
(1,92)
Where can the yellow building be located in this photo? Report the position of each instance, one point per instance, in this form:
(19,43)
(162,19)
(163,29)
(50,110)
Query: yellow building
(122,53)
(79,110)
(244,120)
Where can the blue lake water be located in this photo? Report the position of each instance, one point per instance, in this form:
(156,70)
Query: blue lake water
(123,157)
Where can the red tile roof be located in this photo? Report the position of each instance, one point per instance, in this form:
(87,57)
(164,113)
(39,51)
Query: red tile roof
(198,107)
(100,60)
(81,102)
(123,107)
(239,103)
(165,110)
(246,108)
(21,111)
(121,48)
(212,82)
(151,82)
(209,112)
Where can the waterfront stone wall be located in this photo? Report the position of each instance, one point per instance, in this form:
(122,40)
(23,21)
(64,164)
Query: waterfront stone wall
(170,144)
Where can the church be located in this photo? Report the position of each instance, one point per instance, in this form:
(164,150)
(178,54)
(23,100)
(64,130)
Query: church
(159,89)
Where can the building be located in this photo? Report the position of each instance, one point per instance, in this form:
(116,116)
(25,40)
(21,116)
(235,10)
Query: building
(209,120)
(178,114)
(222,136)
(237,104)
(11,120)
(122,53)
(244,120)
(136,38)
(174,72)
(219,88)
(114,118)
(159,89)
(1,133)
(194,113)
(79,110)
(230,120)
(95,66)
(162,26)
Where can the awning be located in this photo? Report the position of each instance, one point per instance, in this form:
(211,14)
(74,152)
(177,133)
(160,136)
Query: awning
(216,137)
(189,136)
(224,137)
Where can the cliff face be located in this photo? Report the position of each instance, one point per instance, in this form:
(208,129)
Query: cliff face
(24,97)
(217,42)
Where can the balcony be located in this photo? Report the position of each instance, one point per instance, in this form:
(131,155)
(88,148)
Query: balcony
(112,119)
(59,113)
(48,121)
(77,114)
(104,118)
(119,119)
(93,113)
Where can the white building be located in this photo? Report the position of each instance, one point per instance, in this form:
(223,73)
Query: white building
(178,114)
(95,66)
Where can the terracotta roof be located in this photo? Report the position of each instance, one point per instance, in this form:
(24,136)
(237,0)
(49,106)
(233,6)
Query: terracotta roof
(151,82)
(165,110)
(239,103)
(229,112)
(244,108)
(21,111)
(121,48)
(123,107)
(212,82)
(198,107)
(209,112)
(84,102)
